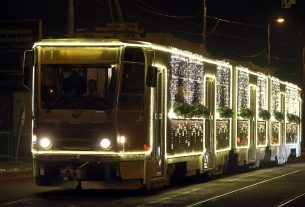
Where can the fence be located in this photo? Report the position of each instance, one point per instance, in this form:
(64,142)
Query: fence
(8,146)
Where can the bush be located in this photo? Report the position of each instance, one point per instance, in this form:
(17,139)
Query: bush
(293,118)
(191,110)
(225,112)
(279,116)
(264,114)
(246,113)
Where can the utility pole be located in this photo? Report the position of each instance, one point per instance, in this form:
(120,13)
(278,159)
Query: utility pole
(70,17)
(110,10)
(268,46)
(278,20)
(204,32)
(119,12)
(303,109)
(303,62)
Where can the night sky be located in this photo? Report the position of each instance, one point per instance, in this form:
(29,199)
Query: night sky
(240,34)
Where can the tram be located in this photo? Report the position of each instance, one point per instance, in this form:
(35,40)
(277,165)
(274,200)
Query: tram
(131,114)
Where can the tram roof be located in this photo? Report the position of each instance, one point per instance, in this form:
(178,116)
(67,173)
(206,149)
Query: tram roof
(137,43)
(117,42)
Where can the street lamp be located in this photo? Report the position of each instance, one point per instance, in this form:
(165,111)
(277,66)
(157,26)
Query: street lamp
(279,20)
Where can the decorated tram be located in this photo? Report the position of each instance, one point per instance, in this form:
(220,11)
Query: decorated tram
(132,114)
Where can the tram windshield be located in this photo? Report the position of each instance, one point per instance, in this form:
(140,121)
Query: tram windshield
(67,86)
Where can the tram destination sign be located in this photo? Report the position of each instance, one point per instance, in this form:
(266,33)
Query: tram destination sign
(15,38)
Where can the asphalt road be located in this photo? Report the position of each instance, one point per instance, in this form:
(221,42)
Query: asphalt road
(276,186)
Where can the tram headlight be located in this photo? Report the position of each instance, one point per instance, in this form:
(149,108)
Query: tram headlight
(34,138)
(122,139)
(45,143)
(105,143)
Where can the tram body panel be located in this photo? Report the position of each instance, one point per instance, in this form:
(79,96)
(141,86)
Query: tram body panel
(136,135)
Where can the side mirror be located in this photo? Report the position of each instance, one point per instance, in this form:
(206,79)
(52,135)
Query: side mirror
(151,77)
(28,63)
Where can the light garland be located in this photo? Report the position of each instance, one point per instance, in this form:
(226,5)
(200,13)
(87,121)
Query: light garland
(243,89)
(261,133)
(184,135)
(292,103)
(262,93)
(275,96)
(223,85)
(187,79)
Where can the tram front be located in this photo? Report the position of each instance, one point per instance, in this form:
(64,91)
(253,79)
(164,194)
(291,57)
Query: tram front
(76,134)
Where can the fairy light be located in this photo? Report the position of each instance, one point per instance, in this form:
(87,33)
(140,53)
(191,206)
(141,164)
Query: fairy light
(243,89)
(262,93)
(275,100)
(223,85)
(187,76)
(187,86)
(292,103)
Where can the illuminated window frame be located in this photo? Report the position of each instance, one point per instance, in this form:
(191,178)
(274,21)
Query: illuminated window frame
(245,72)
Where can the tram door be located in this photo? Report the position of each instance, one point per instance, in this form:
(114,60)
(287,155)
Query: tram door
(159,117)
(209,124)
(252,149)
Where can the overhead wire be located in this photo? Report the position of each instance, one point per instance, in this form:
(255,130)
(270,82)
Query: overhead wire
(214,28)
(162,14)
(159,12)
(192,33)
(235,22)
(249,56)
(212,32)
(236,37)
(194,23)
(165,27)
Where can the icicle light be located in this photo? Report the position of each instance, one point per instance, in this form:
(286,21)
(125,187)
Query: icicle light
(223,86)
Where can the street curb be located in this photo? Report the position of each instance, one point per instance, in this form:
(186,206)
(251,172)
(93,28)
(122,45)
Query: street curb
(14,171)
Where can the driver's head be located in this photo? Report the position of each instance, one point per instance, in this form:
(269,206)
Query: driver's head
(92,85)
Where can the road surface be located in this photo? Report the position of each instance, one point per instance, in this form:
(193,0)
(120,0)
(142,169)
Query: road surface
(275,186)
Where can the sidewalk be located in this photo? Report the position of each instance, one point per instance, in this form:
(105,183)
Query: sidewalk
(10,168)
(300,159)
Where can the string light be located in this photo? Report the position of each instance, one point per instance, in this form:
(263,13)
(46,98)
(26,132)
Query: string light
(185,135)
(292,102)
(275,133)
(262,93)
(275,100)
(223,85)
(243,88)
(261,133)
(187,78)
(187,86)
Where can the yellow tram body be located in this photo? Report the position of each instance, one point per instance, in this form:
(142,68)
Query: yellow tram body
(155,112)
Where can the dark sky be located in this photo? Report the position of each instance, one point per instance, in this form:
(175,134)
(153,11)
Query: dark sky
(240,35)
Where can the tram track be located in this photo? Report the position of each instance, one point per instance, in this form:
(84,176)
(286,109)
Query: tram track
(198,203)
(187,197)
(290,200)
(276,187)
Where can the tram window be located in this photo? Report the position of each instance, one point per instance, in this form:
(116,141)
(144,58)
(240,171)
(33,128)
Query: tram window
(132,85)
(134,55)
(133,82)
(77,87)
